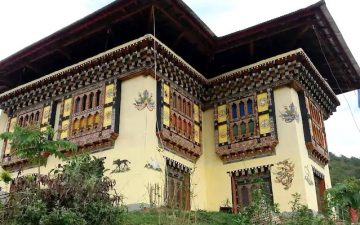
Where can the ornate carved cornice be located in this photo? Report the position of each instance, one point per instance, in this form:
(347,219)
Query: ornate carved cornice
(136,57)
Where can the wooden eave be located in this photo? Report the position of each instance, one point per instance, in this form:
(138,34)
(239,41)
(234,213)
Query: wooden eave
(178,27)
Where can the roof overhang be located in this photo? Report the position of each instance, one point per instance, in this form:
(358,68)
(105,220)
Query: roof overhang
(312,29)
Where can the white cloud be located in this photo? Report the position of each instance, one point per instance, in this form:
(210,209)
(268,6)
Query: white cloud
(24,22)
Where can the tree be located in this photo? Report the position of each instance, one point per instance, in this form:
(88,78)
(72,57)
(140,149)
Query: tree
(75,193)
(346,195)
(35,145)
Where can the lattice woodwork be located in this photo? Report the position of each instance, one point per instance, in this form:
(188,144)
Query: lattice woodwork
(181,123)
(316,145)
(245,127)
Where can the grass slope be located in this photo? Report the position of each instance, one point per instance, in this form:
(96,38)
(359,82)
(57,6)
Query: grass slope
(175,217)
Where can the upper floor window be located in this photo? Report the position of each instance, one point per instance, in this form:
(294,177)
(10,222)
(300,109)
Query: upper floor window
(234,111)
(247,120)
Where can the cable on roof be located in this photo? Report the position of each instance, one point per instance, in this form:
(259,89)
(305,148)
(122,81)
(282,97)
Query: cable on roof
(336,81)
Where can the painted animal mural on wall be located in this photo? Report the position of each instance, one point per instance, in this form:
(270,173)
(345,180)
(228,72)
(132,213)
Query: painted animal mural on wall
(121,165)
(285,173)
(144,101)
(290,114)
(153,164)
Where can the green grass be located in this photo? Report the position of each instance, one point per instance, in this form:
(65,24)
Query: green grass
(176,217)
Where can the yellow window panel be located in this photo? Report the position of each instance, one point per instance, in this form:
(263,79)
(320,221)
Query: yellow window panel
(46,115)
(107,116)
(12,124)
(196,113)
(223,138)
(67,107)
(64,129)
(262,102)
(264,124)
(166,116)
(197,134)
(166,93)
(109,93)
(221,113)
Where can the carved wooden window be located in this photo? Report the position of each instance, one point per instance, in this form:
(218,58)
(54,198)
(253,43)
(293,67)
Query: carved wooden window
(314,130)
(98,96)
(245,183)
(317,124)
(181,122)
(30,118)
(234,111)
(242,108)
(39,117)
(77,105)
(90,115)
(245,124)
(246,119)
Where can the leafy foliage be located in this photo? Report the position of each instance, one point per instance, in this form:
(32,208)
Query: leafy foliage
(260,211)
(76,193)
(33,144)
(5,176)
(301,214)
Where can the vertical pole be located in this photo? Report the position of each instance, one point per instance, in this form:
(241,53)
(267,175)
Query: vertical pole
(234,196)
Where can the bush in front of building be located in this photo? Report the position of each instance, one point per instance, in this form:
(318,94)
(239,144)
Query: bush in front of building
(75,193)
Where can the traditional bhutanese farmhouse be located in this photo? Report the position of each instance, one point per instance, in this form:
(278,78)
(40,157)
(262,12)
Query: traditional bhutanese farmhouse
(192,117)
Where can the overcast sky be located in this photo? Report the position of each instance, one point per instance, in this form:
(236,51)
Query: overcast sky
(22,22)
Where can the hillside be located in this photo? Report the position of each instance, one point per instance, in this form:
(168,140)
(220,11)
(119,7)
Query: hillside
(342,167)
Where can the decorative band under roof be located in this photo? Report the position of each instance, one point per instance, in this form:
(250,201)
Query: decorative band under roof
(175,164)
(317,173)
(251,170)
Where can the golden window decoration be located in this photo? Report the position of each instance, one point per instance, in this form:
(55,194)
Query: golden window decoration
(264,124)
(221,117)
(262,102)
(90,120)
(109,93)
(166,96)
(97,119)
(46,115)
(166,116)
(107,116)
(196,113)
(64,129)
(223,137)
(67,106)
(245,127)
(82,123)
(76,124)
(180,119)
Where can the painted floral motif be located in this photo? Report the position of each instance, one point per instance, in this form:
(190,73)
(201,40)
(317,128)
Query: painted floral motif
(263,101)
(121,166)
(285,173)
(144,100)
(265,123)
(290,113)
(153,164)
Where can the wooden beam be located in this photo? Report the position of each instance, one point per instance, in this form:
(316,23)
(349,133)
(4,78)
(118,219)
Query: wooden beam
(65,54)
(34,69)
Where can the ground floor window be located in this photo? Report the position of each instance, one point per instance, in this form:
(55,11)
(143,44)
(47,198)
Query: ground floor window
(177,185)
(246,181)
(320,189)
